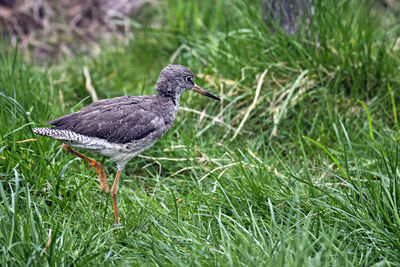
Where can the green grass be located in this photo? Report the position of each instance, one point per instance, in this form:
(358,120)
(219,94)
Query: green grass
(312,179)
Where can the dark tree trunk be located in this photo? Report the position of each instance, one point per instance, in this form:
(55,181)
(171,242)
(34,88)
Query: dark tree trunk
(287,14)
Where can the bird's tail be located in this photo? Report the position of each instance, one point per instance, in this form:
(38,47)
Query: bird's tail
(59,134)
(45,131)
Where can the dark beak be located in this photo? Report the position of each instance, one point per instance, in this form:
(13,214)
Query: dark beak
(200,90)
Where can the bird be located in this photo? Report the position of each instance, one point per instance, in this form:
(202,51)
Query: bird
(121,128)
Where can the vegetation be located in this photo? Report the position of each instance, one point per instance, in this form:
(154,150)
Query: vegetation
(297,165)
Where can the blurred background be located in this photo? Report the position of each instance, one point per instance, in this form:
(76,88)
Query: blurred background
(49,28)
(297,165)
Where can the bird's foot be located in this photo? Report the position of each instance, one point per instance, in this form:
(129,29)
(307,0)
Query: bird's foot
(116,226)
(104,189)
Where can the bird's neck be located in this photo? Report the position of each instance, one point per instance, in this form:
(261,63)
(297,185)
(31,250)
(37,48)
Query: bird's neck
(167,107)
(173,97)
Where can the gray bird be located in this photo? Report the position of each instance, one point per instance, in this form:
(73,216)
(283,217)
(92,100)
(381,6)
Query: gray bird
(123,127)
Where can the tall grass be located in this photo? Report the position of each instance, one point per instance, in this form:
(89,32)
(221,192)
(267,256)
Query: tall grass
(312,178)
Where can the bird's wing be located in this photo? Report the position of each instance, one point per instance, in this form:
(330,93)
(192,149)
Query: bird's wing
(117,120)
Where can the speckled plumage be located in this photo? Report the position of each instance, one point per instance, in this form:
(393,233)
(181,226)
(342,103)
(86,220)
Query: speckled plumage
(123,127)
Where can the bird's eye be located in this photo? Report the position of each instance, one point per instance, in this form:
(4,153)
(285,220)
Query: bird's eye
(189,79)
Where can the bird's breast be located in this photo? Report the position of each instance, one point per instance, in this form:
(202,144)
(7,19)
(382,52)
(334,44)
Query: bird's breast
(169,114)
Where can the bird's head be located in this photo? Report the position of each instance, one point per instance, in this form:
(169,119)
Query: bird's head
(176,79)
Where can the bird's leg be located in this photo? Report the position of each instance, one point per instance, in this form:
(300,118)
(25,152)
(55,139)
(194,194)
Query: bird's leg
(93,163)
(114,191)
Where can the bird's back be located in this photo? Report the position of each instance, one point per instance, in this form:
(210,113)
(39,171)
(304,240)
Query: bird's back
(119,120)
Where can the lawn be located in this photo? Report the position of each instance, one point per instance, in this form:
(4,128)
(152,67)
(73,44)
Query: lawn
(297,165)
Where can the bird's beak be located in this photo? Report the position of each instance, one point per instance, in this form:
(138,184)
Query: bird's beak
(200,90)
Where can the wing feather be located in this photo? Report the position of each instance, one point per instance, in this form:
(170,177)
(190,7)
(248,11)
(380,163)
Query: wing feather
(119,120)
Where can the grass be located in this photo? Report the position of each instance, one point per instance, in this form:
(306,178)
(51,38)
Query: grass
(311,179)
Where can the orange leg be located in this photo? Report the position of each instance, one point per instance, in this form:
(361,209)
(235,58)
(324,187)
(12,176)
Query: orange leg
(114,191)
(93,163)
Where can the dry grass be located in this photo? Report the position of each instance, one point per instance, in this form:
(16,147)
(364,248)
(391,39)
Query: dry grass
(51,28)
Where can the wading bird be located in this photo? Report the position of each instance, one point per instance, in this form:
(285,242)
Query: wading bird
(123,127)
